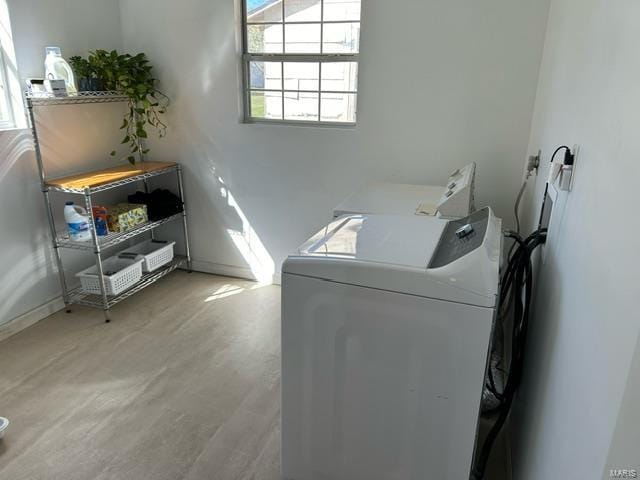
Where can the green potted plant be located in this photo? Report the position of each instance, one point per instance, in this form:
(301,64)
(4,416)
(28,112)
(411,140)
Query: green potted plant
(132,76)
(82,71)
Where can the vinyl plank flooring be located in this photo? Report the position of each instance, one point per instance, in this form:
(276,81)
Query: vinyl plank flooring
(172,381)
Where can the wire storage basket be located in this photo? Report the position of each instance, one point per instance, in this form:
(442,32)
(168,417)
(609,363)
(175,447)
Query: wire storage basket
(154,253)
(120,274)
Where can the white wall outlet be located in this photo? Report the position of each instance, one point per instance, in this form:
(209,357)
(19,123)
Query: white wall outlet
(534,162)
(567,172)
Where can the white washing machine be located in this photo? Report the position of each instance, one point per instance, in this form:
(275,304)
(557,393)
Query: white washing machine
(386,327)
(454,200)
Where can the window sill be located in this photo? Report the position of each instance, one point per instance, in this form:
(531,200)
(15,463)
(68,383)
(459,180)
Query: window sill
(300,123)
(13,129)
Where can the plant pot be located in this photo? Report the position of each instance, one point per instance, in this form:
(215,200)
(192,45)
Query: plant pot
(84,84)
(96,84)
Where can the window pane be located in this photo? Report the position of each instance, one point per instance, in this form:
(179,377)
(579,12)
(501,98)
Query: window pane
(264,11)
(341,38)
(266,105)
(340,76)
(301,106)
(264,38)
(265,75)
(301,76)
(6,119)
(338,107)
(302,38)
(341,10)
(302,10)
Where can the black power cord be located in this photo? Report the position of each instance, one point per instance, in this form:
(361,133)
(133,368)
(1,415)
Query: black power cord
(514,303)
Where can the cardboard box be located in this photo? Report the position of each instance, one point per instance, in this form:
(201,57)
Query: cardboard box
(125,216)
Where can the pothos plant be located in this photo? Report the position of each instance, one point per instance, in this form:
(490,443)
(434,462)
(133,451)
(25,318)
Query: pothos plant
(132,76)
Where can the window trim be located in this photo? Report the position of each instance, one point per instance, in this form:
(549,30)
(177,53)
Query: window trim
(319,58)
(9,67)
(10,123)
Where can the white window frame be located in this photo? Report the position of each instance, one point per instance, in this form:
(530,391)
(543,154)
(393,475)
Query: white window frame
(12,94)
(319,58)
(10,122)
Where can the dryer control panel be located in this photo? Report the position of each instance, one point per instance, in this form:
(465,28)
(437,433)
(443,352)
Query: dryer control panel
(460,237)
(458,199)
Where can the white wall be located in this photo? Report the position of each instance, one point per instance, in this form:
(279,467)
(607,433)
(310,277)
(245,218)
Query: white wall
(74,25)
(442,82)
(28,277)
(586,323)
(625,444)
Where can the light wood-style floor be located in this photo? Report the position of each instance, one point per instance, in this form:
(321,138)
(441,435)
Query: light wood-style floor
(183,384)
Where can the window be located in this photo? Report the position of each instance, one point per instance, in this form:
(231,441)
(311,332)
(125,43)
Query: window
(11,104)
(6,107)
(301,60)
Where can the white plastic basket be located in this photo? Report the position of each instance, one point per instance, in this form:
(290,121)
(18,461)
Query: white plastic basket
(154,253)
(120,274)
(4,423)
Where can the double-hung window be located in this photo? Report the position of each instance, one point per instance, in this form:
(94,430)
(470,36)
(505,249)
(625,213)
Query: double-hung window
(7,116)
(11,104)
(301,60)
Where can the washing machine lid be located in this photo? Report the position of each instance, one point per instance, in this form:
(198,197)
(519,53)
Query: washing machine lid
(383,239)
(407,254)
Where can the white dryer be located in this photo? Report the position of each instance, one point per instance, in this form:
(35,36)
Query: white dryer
(386,327)
(455,200)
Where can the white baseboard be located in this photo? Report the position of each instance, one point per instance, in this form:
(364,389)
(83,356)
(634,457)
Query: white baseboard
(222,270)
(228,270)
(27,319)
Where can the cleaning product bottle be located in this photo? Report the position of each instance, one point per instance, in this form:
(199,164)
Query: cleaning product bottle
(77,222)
(56,68)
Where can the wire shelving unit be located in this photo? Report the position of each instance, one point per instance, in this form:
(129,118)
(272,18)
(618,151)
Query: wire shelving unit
(87,185)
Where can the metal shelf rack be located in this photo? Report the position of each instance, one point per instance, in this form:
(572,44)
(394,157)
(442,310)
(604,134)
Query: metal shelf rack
(43,99)
(113,239)
(87,185)
(79,297)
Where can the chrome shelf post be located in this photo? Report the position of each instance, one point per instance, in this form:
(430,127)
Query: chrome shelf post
(185,228)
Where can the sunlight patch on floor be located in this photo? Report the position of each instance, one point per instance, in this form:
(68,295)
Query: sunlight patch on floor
(229,290)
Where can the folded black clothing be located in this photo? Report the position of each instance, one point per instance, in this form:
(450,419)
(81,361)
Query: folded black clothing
(160,203)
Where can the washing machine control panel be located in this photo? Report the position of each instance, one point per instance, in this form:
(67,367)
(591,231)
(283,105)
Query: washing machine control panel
(460,237)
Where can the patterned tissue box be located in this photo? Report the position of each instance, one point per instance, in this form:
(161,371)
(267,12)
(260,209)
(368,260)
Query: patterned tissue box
(125,216)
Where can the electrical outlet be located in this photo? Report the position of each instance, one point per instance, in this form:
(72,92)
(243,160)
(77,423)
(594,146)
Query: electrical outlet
(568,172)
(534,163)
(576,152)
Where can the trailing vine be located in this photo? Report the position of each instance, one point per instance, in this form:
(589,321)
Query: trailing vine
(132,76)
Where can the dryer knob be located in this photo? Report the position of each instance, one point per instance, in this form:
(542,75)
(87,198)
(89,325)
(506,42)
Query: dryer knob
(464,231)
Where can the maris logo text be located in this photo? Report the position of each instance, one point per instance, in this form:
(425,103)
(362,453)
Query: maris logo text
(624,473)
